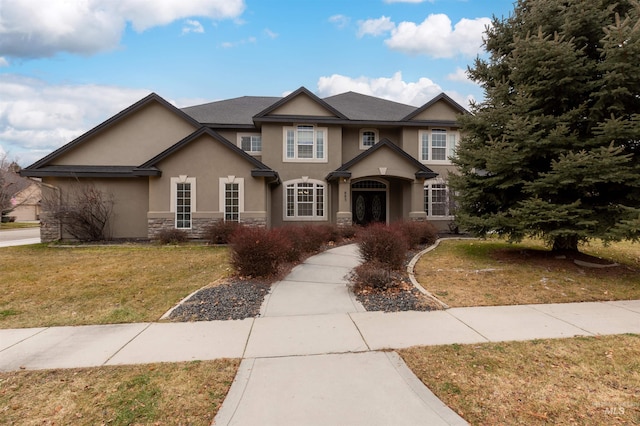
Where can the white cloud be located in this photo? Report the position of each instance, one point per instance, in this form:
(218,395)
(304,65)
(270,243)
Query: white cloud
(270,33)
(437,38)
(394,88)
(340,21)
(375,27)
(192,26)
(460,75)
(3,62)
(36,118)
(231,44)
(41,28)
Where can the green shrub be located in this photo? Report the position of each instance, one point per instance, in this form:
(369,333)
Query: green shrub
(219,232)
(172,236)
(387,245)
(257,252)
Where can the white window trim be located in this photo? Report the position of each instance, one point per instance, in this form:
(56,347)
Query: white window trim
(294,128)
(222,195)
(450,147)
(239,142)
(427,186)
(174,197)
(313,218)
(376,138)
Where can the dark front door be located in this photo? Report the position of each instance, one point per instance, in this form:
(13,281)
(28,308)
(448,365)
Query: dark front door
(369,206)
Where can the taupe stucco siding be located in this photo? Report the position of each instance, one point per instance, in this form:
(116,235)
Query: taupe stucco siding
(135,139)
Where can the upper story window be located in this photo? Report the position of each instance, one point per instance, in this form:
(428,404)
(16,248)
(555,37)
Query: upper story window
(305,200)
(368,138)
(251,143)
(183,200)
(437,145)
(305,143)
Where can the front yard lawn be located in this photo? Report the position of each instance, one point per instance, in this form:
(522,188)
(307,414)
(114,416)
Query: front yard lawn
(49,286)
(152,394)
(492,272)
(583,380)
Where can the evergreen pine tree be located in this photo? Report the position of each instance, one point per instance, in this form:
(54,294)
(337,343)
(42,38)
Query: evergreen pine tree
(554,149)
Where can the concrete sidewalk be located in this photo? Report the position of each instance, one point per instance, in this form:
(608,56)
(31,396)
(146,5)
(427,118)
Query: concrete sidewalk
(312,357)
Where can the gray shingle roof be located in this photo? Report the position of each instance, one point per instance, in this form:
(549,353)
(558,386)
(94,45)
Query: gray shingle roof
(231,111)
(368,108)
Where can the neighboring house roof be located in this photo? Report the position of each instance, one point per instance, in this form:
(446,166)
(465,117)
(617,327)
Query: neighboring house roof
(422,172)
(231,112)
(29,171)
(356,106)
(261,169)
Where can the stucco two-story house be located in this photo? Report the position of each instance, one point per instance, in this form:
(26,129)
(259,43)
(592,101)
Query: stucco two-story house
(266,161)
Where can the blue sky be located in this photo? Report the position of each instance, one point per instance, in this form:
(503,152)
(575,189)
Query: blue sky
(68,65)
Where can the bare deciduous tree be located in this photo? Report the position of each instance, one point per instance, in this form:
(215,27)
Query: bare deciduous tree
(10,184)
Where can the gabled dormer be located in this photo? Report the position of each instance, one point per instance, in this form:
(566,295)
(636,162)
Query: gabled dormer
(301,105)
(441,110)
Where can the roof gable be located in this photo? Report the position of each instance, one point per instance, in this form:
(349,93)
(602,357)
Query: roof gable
(422,171)
(109,124)
(433,110)
(301,103)
(260,169)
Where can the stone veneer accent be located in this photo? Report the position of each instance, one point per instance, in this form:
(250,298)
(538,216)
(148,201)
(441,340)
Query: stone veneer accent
(198,226)
(344,222)
(49,228)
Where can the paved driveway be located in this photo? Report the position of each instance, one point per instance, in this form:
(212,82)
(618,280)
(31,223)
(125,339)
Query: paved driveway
(19,237)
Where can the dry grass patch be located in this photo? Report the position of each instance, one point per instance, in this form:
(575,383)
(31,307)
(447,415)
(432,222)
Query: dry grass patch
(49,286)
(492,272)
(183,393)
(587,381)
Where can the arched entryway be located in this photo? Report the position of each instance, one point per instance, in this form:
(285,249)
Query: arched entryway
(369,201)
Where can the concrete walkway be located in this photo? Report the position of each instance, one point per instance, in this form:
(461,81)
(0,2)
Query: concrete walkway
(313,356)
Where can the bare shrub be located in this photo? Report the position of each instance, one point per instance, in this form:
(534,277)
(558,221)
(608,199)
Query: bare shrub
(83,211)
(379,242)
(373,274)
(257,252)
(417,232)
(172,236)
(220,231)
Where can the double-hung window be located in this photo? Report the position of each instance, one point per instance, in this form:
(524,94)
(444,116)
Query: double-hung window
(436,198)
(231,198)
(183,201)
(305,200)
(251,143)
(305,143)
(437,145)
